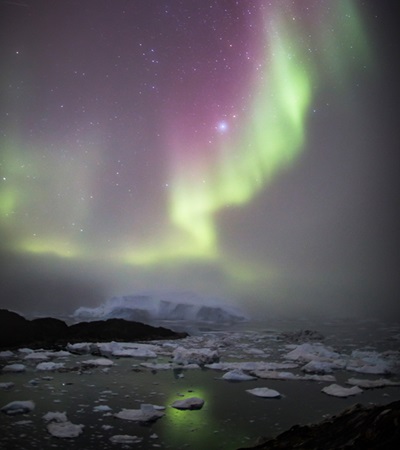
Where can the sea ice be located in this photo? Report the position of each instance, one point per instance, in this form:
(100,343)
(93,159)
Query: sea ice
(18,407)
(125,439)
(102,408)
(199,356)
(319,367)
(312,352)
(189,403)
(55,416)
(6,354)
(371,384)
(80,348)
(237,375)
(134,353)
(98,362)
(146,414)
(275,375)
(264,392)
(64,429)
(49,366)
(7,385)
(35,356)
(340,391)
(14,368)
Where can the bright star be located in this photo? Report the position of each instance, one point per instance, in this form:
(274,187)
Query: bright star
(222,126)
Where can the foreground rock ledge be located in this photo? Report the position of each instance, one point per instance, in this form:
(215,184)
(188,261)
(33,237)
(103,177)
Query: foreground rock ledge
(359,427)
(15,331)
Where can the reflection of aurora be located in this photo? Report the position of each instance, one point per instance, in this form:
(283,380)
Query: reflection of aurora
(44,211)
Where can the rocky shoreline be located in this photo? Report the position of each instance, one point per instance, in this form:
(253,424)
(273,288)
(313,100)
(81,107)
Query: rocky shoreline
(49,332)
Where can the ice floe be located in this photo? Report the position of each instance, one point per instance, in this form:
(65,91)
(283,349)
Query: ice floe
(340,391)
(65,429)
(18,407)
(147,413)
(125,439)
(312,352)
(199,356)
(237,375)
(264,392)
(371,384)
(14,368)
(98,362)
(188,403)
(7,385)
(49,366)
(55,416)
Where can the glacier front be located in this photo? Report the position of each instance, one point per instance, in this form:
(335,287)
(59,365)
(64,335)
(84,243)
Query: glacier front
(151,307)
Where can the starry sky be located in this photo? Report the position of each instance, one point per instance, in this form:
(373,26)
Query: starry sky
(244,150)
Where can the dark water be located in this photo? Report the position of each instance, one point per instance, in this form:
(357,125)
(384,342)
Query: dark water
(230,418)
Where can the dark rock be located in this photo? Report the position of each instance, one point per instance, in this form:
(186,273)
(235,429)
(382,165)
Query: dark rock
(359,427)
(48,332)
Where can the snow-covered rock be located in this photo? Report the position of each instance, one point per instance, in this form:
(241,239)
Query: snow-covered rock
(237,375)
(64,429)
(340,391)
(264,392)
(188,403)
(155,306)
(18,407)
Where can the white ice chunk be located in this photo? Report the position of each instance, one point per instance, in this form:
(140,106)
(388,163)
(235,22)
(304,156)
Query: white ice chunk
(49,366)
(189,403)
(318,367)
(64,429)
(276,375)
(98,362)
(340,391)
(55,416)
(18,407)
(312,352)
(237,375)
(135,353)
(81,348)
(125,439)
(7,385)
(6,354)
(147,413)
(14,368)
(264,392)
(195,355)
(37,356)
(102,408)
(371,384)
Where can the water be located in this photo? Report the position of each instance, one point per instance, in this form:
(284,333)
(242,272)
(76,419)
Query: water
(231,417)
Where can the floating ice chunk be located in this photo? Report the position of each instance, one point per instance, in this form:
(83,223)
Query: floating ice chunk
(340,391)
(368,362)
(189,403)
(237,375)
(14,368)
(18,407)
(315,377)
(135,353)
(102,408)
(125,439)
(35,356)
(49,366)
(64,429)
(312,352)
(275,375)
(264,392)
(251,366)
(371,384)
(80,348)
(199,356)
(7,385)
(155,366)
(146,413)
(98,362)
(55,416)
(6,354)
(25,350)
(318,367)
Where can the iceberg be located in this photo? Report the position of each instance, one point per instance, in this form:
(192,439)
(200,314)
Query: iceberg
(153,307)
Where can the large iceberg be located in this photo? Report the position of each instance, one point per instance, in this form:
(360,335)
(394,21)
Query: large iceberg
(152,307)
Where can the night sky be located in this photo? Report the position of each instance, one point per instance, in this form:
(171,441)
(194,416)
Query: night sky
(244,150)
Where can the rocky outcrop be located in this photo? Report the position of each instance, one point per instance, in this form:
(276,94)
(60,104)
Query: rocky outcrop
(47,332)
(359,427)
